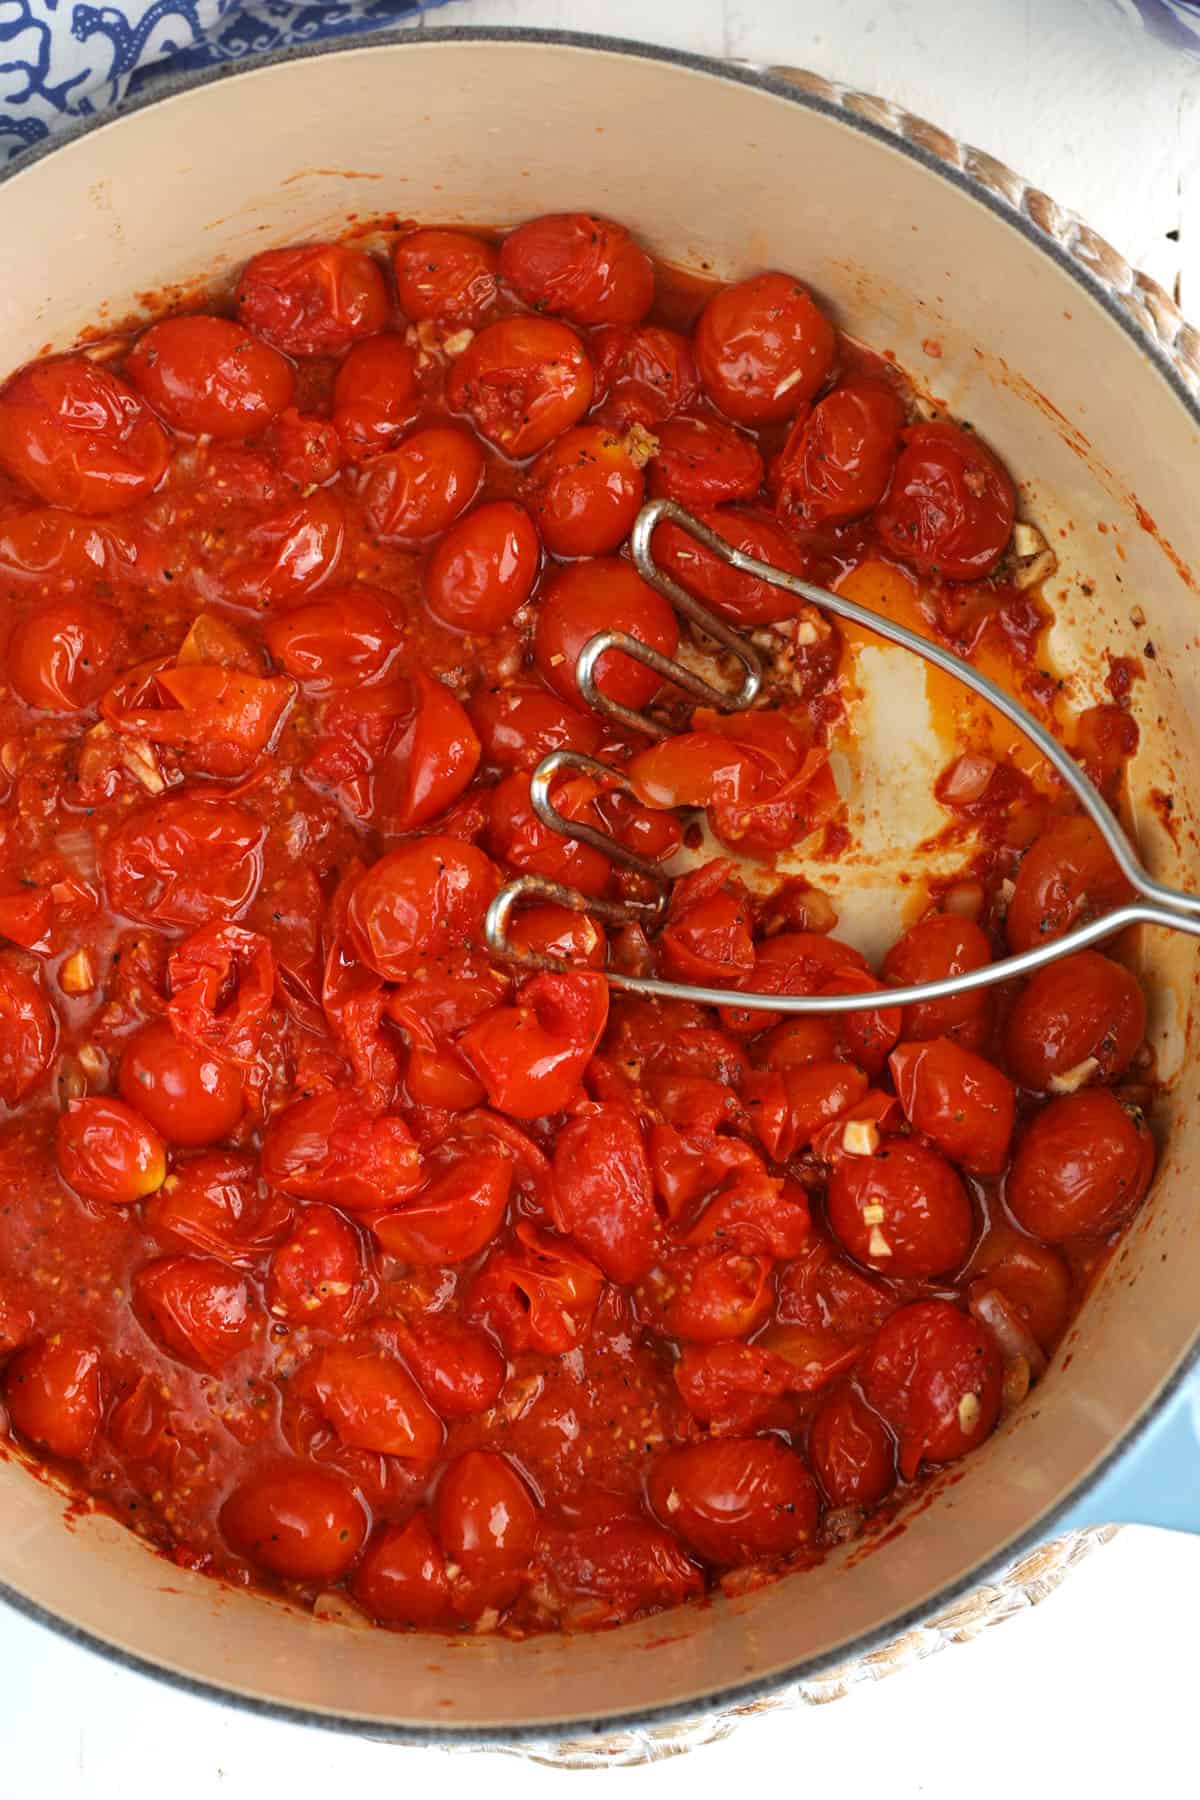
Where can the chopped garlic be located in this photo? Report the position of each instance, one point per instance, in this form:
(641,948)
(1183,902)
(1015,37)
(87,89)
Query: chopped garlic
(874,1214)
(788,382)
(640,445)
(673,1501)
(1035,561)
(877,1244)
(139,758)
(78,973)
(457,342)
(92,1061)
(968,1412)
(860,1137)
(336,1608)
(804,634)
(1071,1080)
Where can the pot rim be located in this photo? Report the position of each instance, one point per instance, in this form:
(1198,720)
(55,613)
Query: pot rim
(743,1694)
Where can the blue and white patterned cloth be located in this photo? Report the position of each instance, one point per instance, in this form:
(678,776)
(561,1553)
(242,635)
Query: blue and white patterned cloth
(66,60)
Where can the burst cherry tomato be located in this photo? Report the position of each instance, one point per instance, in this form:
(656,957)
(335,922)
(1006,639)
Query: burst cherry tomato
(605,595)
(552,930)
(107,1152)
(742,599)
(943,944)
(1085,1010)
(484,569)
(60,657)
(53,1393)
(419,489)
(531,1056)
(184,860)
(401,1579)
(345,639)
(539,1295)
(603,1192)
(585,490)
(838,459)
(331,1147)
(446,275)
(736,1499)
(455,1217)
(199,1310)
(935,1376)
(763,347)
(522,382)
(518,837)
(643,375)
(28,1034)
(588,269)
(374,1404)
(318,1276)
(951,505)
(288,554)
(218,1204)
(788,1107)
(902,1211)
(313,300)
(701,461)
(611,1571)
(851,1450)
(418,901)
(459,1368)
(518,725)
(1079,1165)
(185,1092)
(430,763)
(487,1525)
(1033,1279)
(958,1099)
(1066,877)
(374,395)
(79,437)
(210,375)
(305,447)
(300,1522)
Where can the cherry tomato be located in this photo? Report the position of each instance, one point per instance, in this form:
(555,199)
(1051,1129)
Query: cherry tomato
(401,1579)
(531,1056)
(958,1099)
(419,901)
(588,269)
(902,1211)
(185,1092)
(28,1034)
(446,275)
(483,570)
(838,458)
(788,1107)
(943,944)
(219,1205)
(431,762)
(302,1523)
(541,1294)
(1066,877)
(1083,1010)
(318,1276)
(487,1525)
(612,1571)
(60,658)
(605,595)
(522,381)
(52,1391)
(459,1368)
(455,1217)
(419,489)
(182,860)
(643,375)
(314,299)
(706,1294)
(763,347)
(707,937)
(305,447)
(46,544)
(374,394)
(552,930)
(210,375)
(742,599)
(107,1152)
(951,505)
(518,837)
(701,461)
(79,437)
(288,554)
(518,725)
(730,1388)
(935,1377)
(345,639)
(851,1450)
(794,962)
(332,1147)
(804,1039)
(374,1404)
(603,1192)
(1032,1278)
(585,491)
(822,1291)
(735,1500)
(199,1310)
(1079,1165)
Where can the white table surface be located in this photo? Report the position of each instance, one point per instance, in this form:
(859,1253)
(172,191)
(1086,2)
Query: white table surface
(1094,1691)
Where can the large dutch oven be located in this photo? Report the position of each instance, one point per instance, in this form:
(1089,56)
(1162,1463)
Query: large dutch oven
(1085,381)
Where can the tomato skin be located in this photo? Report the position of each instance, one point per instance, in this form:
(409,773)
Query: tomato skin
(430,764)
(522,381)
(347,638)
(518,725)
(187,1093)
(730,1388)
(763,347)
(401,1579)
(1067,875)
(585,490)
(374,394)
(486,1522)
(588,269)
(483,570)
(458,1367)
(958,1099)
(446,275)
(518,837)
(313,299)
(1084,1006)
(951,505)
(701,461)
(218,1204)
(301,1523)
(108,1153)
(643,374)
(1079,1165)
(603,1192)
(420,900)
(788,1107)
(935,1376)
(28,1034)
(418,490)
(319,1275)
(184,860)
(927,1224)
(454,1218)
(332,1147)
(374,1404)
(531,1056)
(838,458)
(742,599)
(61,656)
(850,1450)
(735,1500)
(201,1312)
(79,436)
(552,930)
(209,375)
(52,1391)
(612,1570)
(943,944)
(603,595)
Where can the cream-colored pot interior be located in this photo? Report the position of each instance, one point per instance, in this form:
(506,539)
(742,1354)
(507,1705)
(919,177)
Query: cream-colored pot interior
(722,173)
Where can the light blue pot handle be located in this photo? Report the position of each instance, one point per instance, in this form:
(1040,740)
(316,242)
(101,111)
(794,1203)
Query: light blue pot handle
(1156,1481)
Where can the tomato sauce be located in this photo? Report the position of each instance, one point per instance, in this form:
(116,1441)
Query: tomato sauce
(334,1254)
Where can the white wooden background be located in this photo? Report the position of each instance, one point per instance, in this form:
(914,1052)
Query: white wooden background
(1095,1691)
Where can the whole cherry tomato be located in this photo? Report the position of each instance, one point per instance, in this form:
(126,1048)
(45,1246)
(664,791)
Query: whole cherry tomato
(742,599)
(605,595)
(107,1152)
(838,458)
(418,490)
(1067,875)
(603,1192)
(902,1211)
(430,763)
(374,1404)
(788,1107)
(1085,1010)
(943,944)
(303,1523)
(374,394)
(52,1391)
(483,570)
(446,275)
(701,461)
(458,1366)
(851,1450)
(763,347)
(951,505)
(60,658)
(531,1056)
(935,1377)
(455,1217)
(209,375)
(218,1204)
(318,1275)
(735,1500)
(1033,1279)
(518,725)
(331,1147)
(47,544)
(28,1034)
(79,436)
(314,299)
(286,555)
(1079,1165)
(518,837)
(182,860)
(420,900)
(643,375)
(588,269)
(185,1092)
(958,1099)
(199,1310)
(401,1579)
(613,1570)
(585,490)
(305,447)
(487,1524)
(522,381)
(345,639)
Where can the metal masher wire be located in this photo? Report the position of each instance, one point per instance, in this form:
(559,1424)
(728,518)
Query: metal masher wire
(1159,904)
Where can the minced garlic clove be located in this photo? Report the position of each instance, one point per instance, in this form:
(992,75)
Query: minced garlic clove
(1071,1080)
(1033,559)
(969,1410)
(860,1137)
(877,1244)
(77,975)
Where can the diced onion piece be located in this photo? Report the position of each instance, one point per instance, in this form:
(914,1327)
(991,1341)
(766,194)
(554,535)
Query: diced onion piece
(1013,1338)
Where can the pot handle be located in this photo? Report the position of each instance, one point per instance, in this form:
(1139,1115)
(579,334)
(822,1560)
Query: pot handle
(1157,1480)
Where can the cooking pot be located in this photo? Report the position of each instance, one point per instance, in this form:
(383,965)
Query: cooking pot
(1086,383)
